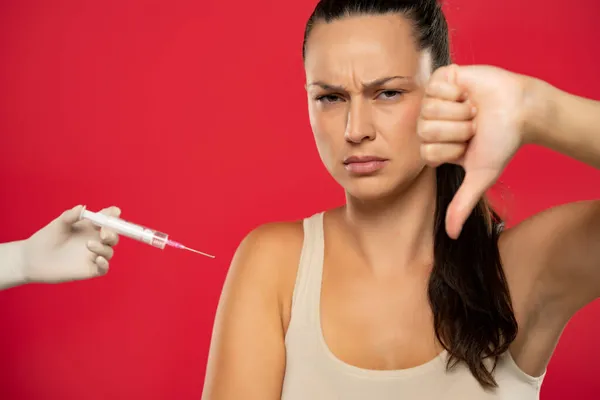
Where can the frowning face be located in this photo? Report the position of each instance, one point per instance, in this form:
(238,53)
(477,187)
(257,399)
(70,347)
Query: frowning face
(365,81)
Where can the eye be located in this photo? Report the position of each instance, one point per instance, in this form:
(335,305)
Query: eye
(328,98)
(390,94)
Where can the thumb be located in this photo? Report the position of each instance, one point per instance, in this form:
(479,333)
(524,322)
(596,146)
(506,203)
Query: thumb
(71,216)
(470,192)
(468,77)
(452,73)
(112,211)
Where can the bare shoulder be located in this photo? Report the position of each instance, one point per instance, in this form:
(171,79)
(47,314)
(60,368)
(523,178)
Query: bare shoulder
(280,244)
(267,260)
(550,260)
(247,345)
(273,238)
(270,253)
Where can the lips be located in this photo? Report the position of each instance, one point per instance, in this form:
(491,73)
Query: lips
(362,159)
(364,165)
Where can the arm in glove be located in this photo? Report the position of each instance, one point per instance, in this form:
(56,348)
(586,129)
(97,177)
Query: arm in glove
(66,249)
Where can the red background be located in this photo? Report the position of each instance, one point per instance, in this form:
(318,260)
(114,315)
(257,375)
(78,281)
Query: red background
(191,117)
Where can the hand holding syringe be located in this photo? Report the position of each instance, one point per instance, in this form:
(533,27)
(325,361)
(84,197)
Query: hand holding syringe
(133,231)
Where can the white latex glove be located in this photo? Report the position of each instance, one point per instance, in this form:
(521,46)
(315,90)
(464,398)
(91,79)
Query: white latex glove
(68,249)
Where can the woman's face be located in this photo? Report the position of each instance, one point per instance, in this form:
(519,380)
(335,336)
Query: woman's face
(365,81)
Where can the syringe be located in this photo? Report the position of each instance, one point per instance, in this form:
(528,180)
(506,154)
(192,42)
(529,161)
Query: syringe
(133,231)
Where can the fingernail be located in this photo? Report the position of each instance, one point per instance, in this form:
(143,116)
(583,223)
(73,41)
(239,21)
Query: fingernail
(90,243)
(103,235)
(473,110)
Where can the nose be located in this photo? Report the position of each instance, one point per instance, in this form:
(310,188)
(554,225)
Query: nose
(359,124)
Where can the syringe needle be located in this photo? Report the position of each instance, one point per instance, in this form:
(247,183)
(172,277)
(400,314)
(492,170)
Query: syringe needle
(199,252)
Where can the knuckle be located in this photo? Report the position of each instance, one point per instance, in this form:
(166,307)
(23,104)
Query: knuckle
(112,210)
(443,90)
(456,151)
(101,262)
(429,109)
(109,253)
(465,110)
(466,132)
(439,73)
(422,129)
(109,236)
(429,152)
(432,88)
(95,265)
(100,268)
(429,132)
(423,150)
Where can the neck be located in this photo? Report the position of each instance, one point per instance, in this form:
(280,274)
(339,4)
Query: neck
(397,230)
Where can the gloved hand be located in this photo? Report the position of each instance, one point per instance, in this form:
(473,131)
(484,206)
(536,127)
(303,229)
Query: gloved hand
(68,249)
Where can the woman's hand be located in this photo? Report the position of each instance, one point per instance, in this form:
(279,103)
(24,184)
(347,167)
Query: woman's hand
(473,116)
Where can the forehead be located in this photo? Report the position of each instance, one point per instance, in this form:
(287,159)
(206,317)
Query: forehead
(364,46)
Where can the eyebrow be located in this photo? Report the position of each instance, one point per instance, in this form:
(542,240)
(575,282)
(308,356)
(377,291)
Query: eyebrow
(367,85)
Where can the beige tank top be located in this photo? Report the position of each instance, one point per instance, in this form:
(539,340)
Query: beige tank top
(313,372)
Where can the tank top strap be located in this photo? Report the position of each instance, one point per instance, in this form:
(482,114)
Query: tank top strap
(307,288)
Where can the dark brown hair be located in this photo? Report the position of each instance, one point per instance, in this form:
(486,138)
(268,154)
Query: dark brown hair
(468,292)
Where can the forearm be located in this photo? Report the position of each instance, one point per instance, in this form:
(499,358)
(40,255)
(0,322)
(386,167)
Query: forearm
(563,122)
(11,265)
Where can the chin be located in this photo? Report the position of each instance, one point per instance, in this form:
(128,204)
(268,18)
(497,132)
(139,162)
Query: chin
(369,188)
(383,186)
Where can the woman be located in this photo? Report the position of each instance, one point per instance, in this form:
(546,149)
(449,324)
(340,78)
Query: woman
(410,290)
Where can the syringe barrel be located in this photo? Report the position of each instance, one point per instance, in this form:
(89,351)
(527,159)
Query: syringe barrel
(125,228)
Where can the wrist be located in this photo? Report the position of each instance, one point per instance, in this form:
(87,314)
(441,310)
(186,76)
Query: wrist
(12,264)
(540,110)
